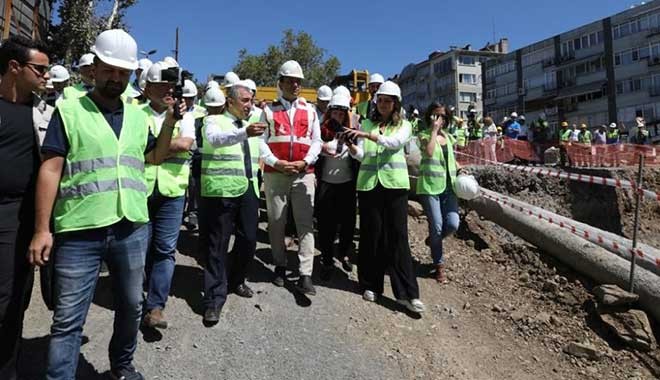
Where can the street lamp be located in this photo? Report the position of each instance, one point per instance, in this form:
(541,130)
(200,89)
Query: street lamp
(148,53)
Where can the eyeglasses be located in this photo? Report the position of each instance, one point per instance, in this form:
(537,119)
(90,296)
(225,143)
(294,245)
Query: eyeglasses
(38,69)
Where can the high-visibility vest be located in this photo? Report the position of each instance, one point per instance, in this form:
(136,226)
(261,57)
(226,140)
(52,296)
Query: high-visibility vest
(290,142)
(363,109)
(585,137)
(432,170)
(612,136)
(103,177)
(566,135)
(255,115)
(198,112)
(223,168)
(172,174)
(461,137)
(379,164)
(74,92)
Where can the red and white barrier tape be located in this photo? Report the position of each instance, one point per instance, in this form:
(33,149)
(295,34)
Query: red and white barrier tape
(622,184)
(622,248)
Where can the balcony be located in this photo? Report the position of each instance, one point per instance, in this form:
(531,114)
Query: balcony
(653,32)
(571,107)
(654,61)
(549,88)
(654,91)
(567,57)
(548,62)
(566,83)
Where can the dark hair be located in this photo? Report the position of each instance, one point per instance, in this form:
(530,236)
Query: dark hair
(18,48)
(395,117)
(429,111)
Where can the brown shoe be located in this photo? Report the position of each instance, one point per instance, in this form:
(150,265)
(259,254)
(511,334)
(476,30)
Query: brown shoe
(155,319)
(440,276)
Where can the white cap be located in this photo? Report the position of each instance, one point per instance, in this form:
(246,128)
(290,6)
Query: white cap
(291,69)
(116,48)
(155,71)
(171,62)
(211,84)
(514,114)
(189,89)
(340,101)
(214,97)
(376,78)
(324,93)
(86,60)
(389,88)
(144,64)
(59,73)
(251,85)
(231,78)
(341,90)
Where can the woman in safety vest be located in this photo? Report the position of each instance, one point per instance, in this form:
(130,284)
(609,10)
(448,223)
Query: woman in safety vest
(435,185)
(383,186)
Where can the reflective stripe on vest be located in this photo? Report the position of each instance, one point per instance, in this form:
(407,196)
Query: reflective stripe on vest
(172,174)
(432,170)
(379,165)
(223,169)
(288,141)
(103,178)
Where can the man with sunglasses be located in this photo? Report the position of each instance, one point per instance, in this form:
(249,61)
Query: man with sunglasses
(24,69)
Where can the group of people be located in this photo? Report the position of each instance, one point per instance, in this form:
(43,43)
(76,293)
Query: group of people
(103,175)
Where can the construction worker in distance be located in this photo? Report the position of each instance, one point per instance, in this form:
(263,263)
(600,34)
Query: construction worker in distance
(512,126)
(230,197)
(229,80)
(461,133)
(255,112)
(475,129)
(584,137)
(60,77)
(365,108)
(290,147)
(612,136)
(166,188)
(143,66)
(86,71)
(323,96)
(524,133)
(189,96)
(92,181)
(640,135)
(192,194)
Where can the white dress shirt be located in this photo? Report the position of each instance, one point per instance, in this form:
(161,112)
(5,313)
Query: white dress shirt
(186,125)
(394,142)
(219,138)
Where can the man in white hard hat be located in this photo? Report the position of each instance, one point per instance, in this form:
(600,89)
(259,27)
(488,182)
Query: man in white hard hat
(190,93)
(92,181)
(167,184)
(323,96)
(190,96)
(86,70)
(290,148)
(364,108)
(143,65)
(59,76)
(229,80)
(230,198)
(24,70)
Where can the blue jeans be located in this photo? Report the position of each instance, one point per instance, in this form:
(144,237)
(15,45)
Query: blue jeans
(77,261)
(165,222)
(442,213)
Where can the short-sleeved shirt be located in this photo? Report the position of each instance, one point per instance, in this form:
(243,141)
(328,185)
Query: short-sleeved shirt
(18,150)
(57,143)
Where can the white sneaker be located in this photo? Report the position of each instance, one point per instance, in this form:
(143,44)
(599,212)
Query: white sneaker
(414,305)
(368,295)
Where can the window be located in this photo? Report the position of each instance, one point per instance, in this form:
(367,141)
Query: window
(467,97)
(467,78)
(466,60)
(577,44)
(593,39)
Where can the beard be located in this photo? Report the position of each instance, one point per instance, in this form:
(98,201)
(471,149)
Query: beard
(111,89)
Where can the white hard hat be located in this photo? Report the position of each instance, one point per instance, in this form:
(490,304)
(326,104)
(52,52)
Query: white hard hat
(86,60)
(49,84)
(116,48)
(415,112)
(212,84)
(376,78)
(231,78)
(467,187)
(144,64)
(514,114)
(214,97)
(613,125)
(340,101)
(59,73)
(341,90)
(324,93)
(251,85)
(142,81)
(171,62)
(155,71)
(389,88)
(189,89)
(290,69)
(521,117)
(242,83)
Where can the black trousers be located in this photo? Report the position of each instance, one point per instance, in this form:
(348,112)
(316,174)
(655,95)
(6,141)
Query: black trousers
(16,278)
(220,218)
(384,242)
(336,205)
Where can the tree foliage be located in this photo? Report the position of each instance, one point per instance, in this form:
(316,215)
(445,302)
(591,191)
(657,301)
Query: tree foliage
(299,46)
(80,22)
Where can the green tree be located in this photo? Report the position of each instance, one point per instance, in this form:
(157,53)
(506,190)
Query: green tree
(299,46)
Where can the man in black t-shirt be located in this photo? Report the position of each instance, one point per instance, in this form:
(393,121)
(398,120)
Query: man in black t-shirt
(24,69)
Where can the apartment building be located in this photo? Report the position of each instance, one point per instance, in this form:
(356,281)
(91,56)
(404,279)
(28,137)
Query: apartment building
(29,18)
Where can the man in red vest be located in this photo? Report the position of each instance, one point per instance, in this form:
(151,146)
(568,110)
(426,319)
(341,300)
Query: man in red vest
(290,147)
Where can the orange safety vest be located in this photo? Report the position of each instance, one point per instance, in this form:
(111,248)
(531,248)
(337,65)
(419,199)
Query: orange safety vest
(290,142)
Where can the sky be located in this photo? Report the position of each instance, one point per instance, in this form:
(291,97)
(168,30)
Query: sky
(380,36)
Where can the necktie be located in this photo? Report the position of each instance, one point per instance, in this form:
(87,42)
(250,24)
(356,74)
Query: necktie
(247,158)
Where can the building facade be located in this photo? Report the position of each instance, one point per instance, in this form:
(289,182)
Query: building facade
(452,78)
(28,18)
(603,72)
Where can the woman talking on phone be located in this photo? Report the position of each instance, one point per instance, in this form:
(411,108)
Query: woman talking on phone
(383,186)
(436,183)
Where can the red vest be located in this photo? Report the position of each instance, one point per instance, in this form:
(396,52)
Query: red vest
(287,142)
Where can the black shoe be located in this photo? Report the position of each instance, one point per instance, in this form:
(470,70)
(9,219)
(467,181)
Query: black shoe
(212,316)
(305,285)
(326,272)
(128,373)
(279,276)
(244,291)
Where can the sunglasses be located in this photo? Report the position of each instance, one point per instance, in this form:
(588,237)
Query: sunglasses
(40,70)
